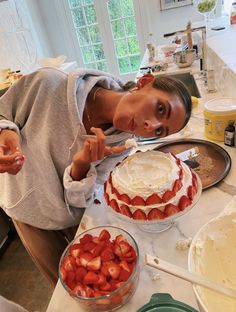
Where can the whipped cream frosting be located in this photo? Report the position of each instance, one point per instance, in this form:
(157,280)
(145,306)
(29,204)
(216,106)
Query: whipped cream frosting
(214,257)
(145,173)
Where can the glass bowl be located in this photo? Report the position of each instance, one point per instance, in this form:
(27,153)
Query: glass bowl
(160,225)
(111,291)
(205,7)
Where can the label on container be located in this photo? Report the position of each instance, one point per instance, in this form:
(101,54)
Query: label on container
(229,138)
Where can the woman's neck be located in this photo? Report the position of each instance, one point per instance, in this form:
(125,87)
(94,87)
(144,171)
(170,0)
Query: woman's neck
(100,108)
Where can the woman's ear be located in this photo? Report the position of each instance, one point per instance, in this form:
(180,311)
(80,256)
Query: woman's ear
(144,80)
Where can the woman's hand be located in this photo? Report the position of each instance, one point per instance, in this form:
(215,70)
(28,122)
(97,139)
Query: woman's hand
(94,149)
(11,156)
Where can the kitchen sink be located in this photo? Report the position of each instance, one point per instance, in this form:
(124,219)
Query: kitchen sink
(188,80)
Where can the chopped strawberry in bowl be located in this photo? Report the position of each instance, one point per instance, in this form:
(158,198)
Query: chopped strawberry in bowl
(100,268)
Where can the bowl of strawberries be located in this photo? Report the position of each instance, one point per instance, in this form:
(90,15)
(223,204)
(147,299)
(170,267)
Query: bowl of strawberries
(100,268)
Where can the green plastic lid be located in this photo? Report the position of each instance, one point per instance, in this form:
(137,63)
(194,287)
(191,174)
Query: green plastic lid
(165,303)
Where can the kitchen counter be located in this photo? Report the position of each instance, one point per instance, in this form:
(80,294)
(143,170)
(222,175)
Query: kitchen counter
(212,202)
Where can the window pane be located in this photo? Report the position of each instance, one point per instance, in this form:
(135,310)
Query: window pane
(133,45)
(83,36)
(78,17)
(99,53)
(135,63)
(90,14)
(94,34)
(121,48)
(85,2)
(87,53)
(124,66)
(102,66)
(130,26)
(114,9)
(74,3)
(127,8)
(118,29)
(91,65)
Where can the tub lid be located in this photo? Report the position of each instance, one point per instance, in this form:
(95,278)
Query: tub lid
(164,302)
(221,105)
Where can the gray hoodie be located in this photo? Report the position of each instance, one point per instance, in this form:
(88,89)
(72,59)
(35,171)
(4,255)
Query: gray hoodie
(46,108)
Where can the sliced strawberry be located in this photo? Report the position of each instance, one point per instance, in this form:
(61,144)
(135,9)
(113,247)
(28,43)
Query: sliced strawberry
(155,214)
(124,209)
(63,273)
(184,202)
(139,215)
(153,199)
(130,256)
(77,260)
(85,258)
(177,185)
(101,279)
(114,270)
(90,278)
(194,180)
(76,250)
(167,196)
(105,287)
(86,239)
(114,205)
(117,250)
(70,277)
(125,198)
(71,285)
(107,254)
(98,249)
(104,235)
(89,292)
(69,263)
(80,274)
(119,238)
(104,270)
(137,201)
(106,196)
(124,275)
(94,264)
(79,290)
(124,247)
(181,174)
(124,265)
(171,209)
(89,246)
(191,192)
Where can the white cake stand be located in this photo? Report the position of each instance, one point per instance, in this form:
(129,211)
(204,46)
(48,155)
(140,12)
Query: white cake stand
(158,226)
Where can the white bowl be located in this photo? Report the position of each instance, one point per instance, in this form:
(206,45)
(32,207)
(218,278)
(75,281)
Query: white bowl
(212,254)
(169,50)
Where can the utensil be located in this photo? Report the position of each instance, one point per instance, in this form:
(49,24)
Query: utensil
(188,276)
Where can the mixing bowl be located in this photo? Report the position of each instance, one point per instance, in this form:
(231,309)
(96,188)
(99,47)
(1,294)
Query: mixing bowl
(212,254)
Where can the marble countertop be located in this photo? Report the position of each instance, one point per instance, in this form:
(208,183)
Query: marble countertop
(211,203)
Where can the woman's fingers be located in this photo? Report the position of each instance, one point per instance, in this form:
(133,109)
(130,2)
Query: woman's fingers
(101,140)
(114,150)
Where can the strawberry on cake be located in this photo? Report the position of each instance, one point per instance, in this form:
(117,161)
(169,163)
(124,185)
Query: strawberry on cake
(150,185)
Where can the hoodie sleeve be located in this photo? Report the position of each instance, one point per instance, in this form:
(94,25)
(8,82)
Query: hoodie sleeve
(79,193)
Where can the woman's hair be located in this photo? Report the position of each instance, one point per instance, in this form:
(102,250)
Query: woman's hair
(175,86)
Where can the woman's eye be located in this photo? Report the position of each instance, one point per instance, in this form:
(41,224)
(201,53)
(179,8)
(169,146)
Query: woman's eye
(161,109)
(159,131)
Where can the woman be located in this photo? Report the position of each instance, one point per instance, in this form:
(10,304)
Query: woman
(57,131)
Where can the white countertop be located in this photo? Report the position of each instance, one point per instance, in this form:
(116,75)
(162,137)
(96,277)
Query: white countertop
(212,202)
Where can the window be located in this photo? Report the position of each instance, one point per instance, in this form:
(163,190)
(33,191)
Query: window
(107,36)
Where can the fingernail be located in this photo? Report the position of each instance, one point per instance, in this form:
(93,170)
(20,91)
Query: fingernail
(20,157)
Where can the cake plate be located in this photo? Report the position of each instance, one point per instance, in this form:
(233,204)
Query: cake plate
(158,226)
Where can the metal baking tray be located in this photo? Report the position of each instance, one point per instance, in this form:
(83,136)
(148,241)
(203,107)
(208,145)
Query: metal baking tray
(214,161)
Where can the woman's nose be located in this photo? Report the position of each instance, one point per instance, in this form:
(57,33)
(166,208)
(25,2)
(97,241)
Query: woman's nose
(151,125)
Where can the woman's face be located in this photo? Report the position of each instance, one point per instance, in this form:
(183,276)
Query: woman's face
(150,112)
